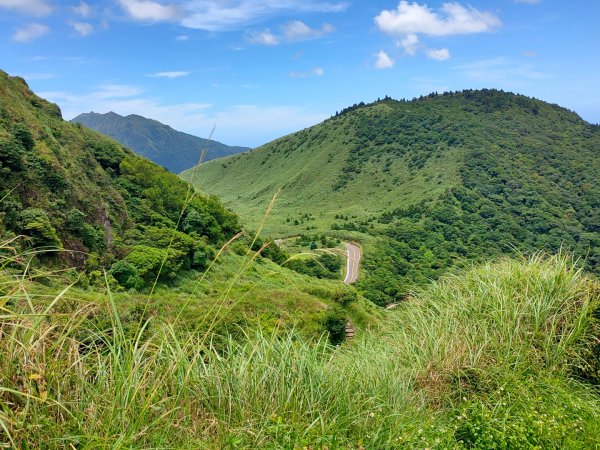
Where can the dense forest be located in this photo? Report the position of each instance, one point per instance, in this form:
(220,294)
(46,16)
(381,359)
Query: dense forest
(532,190)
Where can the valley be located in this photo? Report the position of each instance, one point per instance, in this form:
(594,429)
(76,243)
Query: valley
(404,274)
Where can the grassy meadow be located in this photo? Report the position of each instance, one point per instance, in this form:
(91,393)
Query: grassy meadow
(503,355)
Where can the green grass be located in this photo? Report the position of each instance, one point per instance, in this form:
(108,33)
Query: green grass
(306,166)
(483,359)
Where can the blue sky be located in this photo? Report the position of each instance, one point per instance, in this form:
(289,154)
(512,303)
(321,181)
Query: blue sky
(260,69)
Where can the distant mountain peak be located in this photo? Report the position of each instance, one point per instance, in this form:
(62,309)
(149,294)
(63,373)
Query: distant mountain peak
(172,149)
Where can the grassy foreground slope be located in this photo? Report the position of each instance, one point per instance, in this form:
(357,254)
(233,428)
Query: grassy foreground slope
(430,183)
(160,143)
(502,356)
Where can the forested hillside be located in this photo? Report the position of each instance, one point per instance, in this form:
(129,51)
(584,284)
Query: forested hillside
(429,183)
(175,150)
(66,187)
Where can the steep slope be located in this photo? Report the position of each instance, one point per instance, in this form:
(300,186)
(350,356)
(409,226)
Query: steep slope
(437,180)
(151,139)
(64,186)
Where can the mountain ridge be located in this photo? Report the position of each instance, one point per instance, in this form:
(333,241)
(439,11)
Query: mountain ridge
(161,143)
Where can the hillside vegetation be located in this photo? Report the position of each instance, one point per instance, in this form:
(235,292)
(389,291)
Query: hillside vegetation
(502,356)
(172,149)
(66,187)
(428,183)
(76,202)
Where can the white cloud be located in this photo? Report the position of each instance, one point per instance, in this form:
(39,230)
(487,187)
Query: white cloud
(299,31)
(410,43)
(83,9)
(317,71)
(182,37)
(264,37)
(384,61)
(290,32)
(219,15)
(412,18)
(150,11)
(174,74)
(32,7)
(83,28)
(441,55)
(250,125)
(30,32)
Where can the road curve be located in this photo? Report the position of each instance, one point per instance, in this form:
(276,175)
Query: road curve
(353,252)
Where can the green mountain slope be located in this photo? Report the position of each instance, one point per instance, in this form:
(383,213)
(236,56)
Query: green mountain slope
(432,182)
(333,168)
(64,186)
(160,143)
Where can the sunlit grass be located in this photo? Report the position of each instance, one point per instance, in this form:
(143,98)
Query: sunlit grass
(476,360)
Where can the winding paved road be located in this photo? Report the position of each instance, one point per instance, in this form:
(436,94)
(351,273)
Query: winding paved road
(353,253)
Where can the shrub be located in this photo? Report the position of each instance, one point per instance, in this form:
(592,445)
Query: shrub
(127,275)
(23,136)
(11,155)
(335,323)
(35,223)
(344,297)
(149,261)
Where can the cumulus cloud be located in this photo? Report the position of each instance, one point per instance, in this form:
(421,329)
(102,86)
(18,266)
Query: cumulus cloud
(412,18)
(83,9)
(219,15)
(441,55)
(83,28)
(171,75)
(150,11)
(410,43)
(264,37)
(31,7)
(299,31)
(290,32)
(30,32)
(384,61)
